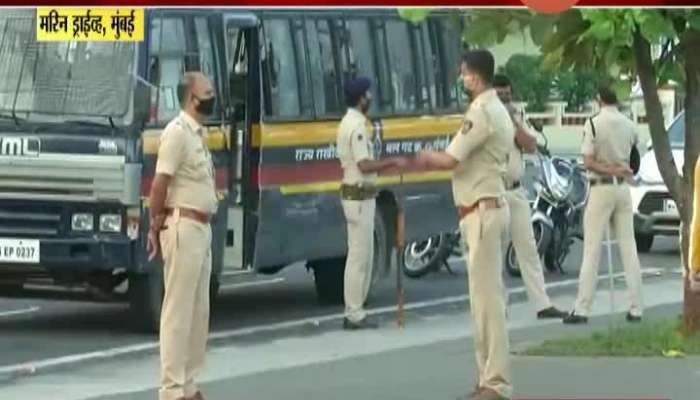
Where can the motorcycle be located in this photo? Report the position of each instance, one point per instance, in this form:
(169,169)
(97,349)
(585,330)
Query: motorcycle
(429,255)
(561,191)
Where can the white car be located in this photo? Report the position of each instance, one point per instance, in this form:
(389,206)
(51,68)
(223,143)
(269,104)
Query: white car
(655,212)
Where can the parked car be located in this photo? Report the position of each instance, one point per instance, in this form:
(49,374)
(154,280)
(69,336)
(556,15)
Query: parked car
(655,212)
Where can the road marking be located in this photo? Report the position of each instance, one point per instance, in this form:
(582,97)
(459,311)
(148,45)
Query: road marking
(12,313)
(31,368)
(251,284)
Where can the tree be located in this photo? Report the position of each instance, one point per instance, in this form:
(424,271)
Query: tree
(531,84)
(576,88)
(619,42)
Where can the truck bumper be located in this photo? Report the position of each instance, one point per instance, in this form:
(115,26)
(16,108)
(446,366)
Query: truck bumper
(80,255)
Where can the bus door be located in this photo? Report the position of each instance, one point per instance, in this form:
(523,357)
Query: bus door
(240,36)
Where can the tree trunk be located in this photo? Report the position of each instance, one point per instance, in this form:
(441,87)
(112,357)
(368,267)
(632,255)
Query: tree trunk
(655,116)
(690,42)
(680,188)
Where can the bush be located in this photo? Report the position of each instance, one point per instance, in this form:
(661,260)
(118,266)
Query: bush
(576,88)
(531,83)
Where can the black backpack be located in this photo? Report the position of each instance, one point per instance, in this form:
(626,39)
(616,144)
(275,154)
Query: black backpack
(634,152)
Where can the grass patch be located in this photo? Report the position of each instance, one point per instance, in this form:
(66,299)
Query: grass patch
(647,339)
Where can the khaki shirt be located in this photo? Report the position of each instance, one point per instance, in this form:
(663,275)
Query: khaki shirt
(515,158)
(615,136)
(481,147)
(183,154)
(355,143)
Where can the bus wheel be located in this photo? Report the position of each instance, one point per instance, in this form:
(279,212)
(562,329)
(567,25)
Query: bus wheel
(214,286)
(145,300)
(381,261)
(329,277)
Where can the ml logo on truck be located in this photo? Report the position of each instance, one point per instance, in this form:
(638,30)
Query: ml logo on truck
(20,146)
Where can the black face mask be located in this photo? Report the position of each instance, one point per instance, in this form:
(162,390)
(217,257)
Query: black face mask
(206,106)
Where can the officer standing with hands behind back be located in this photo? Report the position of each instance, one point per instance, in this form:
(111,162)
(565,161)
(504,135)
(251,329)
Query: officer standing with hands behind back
(360,166)
(478,155)
(608,140)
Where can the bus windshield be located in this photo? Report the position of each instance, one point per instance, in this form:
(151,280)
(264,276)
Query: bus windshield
(71,80)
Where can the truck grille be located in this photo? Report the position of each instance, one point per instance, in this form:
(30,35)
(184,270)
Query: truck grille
(18,220)
(68,178)
(653,202)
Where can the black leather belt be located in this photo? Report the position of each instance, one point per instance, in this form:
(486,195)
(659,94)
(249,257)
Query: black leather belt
(606,180)
(357,192)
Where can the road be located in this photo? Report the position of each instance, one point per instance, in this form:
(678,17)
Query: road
(35,327)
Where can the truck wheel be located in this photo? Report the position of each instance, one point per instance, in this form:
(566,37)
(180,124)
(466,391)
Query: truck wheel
(644,242)
(145,300)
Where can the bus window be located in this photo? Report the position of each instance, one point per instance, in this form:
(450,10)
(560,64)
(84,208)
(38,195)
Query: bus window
(205,47)
(301,57)
(361,48)
(402,68)
(167,65)
(178,44)
(323,64)
(385,91)
(237,72)
(282,79)
(424,66)
(449,40)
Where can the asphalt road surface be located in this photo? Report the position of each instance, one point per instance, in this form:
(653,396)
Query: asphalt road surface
(37,325)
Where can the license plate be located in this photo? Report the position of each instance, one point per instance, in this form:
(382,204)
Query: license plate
(670,207)
(19,251)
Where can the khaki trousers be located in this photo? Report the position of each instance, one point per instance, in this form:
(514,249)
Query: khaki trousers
(184,323)
(526,248)
(608,203)
(483,230)
(359,216)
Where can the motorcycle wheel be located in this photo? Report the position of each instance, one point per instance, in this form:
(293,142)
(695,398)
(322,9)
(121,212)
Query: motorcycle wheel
(543,237)
(422,257)
(511,265)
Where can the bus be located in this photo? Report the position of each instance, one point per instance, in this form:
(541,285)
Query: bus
(80,125)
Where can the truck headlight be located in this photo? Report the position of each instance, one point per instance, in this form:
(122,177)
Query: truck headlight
(82,222)
(110,223)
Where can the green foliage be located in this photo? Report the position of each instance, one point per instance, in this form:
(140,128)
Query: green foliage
(531,83)
(576,88)
(414,15)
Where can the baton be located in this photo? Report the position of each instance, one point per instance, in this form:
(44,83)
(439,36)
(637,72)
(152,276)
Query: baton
(400,244)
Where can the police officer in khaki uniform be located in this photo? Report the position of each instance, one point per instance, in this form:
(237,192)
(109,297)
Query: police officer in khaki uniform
(355,146)
(478,155)
(183,199)
(607,142)
(520,225)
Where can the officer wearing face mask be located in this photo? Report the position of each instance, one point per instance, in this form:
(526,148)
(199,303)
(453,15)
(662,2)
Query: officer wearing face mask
(183,200)
(358,191)
(477,157)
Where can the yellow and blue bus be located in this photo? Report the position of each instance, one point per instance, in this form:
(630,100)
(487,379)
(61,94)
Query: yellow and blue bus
(80,124)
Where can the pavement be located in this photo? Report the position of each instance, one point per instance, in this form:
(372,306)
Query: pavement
(432,358)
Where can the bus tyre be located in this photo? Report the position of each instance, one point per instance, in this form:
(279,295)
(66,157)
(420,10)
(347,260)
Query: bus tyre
(644,242)
(145,300)
(329,277)
(214,285)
